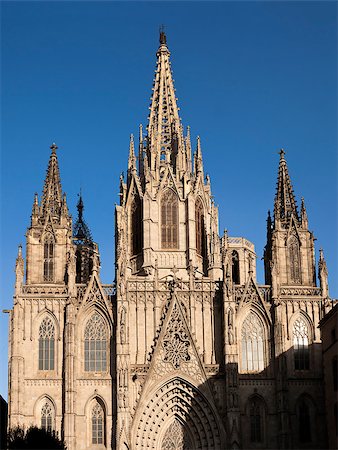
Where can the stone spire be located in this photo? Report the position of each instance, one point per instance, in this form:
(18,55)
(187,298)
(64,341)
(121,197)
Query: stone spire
(81,232)
(165,142)
(52,192)
(303,215)
(132,158)
(323,274)
(285,203)
(198,163)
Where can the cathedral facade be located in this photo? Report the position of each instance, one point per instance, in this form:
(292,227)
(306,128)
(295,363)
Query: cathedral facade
(185,350)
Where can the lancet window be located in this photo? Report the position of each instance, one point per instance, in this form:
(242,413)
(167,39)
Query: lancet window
(95,344)
(47,416)
(200,229)
(294,260)
(48,258)
(46,344)
(256,411)
(97,418)
(301,345)
(235,267)
(252,337)
(136,235)
(169,220)
(304,422)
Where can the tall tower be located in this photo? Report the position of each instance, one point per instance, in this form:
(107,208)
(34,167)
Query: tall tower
(168,263)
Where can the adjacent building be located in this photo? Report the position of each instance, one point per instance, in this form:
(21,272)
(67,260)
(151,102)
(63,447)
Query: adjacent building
(185,350)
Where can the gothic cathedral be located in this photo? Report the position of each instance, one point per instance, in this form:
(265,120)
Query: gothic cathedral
(185,350)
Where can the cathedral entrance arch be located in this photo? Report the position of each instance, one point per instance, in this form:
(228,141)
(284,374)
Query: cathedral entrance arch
(177,416)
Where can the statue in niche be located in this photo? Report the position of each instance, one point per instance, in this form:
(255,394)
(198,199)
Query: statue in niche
(123,326)
(230,327)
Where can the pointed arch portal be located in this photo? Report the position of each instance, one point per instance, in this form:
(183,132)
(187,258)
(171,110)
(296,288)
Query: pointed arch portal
(178,417)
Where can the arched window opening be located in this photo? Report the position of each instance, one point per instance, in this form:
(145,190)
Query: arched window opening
(252,337)
(48,258)
(301,345)
(256,412)
(95,344)
(169,220)
(294,260)
(304,422)
(46,344)
(98,425)
(136,234)
(176,438)
(235,268)
(47,417)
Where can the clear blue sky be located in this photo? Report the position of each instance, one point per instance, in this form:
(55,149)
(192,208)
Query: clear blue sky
(251,77)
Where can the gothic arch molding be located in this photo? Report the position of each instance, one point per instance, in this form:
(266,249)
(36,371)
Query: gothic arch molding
(38,319)
(178,399)
(300,314)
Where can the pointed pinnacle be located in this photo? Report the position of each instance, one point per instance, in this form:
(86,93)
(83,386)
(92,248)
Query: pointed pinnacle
(53,147)
(281,153)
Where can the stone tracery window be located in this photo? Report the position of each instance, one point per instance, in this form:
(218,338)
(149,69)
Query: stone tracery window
(48,258)
(47,416)
(97,419)
(136,226)
(95,348)
(294,260)
(46,344)
(301,345)
(252,337)
(169,220)
(176,438)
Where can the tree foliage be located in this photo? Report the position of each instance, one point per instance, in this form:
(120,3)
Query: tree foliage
(34,438)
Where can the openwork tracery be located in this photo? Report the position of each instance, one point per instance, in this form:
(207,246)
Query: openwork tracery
(169,220)
(301,344)
(176,342)
(46,344)
(95,344)
(48,258)
(294,260)
(47,416)
(97,417)
(176,438)
(252,337)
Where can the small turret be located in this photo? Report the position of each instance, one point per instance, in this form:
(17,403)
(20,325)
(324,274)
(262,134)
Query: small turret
(35,210)
(198,161)
(19,271)
(303,215)
(132,157)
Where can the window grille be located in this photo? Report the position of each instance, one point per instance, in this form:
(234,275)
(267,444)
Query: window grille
(97,424)
(136,235)
(301,345)
(252,337)
(46,344)
(48,259)
(294,260)
(95,344)
(47,417)
(256,421)
(169,220)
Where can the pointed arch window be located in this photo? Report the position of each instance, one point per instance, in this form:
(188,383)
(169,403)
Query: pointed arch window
(46,344)
(47,416)
(200,229)
(169,220)
(301,345)
(95,344)
(98,425)
(294,260)
(136,225)
(48,258)
(252,337)
(304,422)
(256,411)
(235,268)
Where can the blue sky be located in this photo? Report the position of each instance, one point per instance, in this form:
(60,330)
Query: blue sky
(251,77)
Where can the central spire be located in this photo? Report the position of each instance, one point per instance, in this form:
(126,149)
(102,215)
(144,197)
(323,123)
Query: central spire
(165,144)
